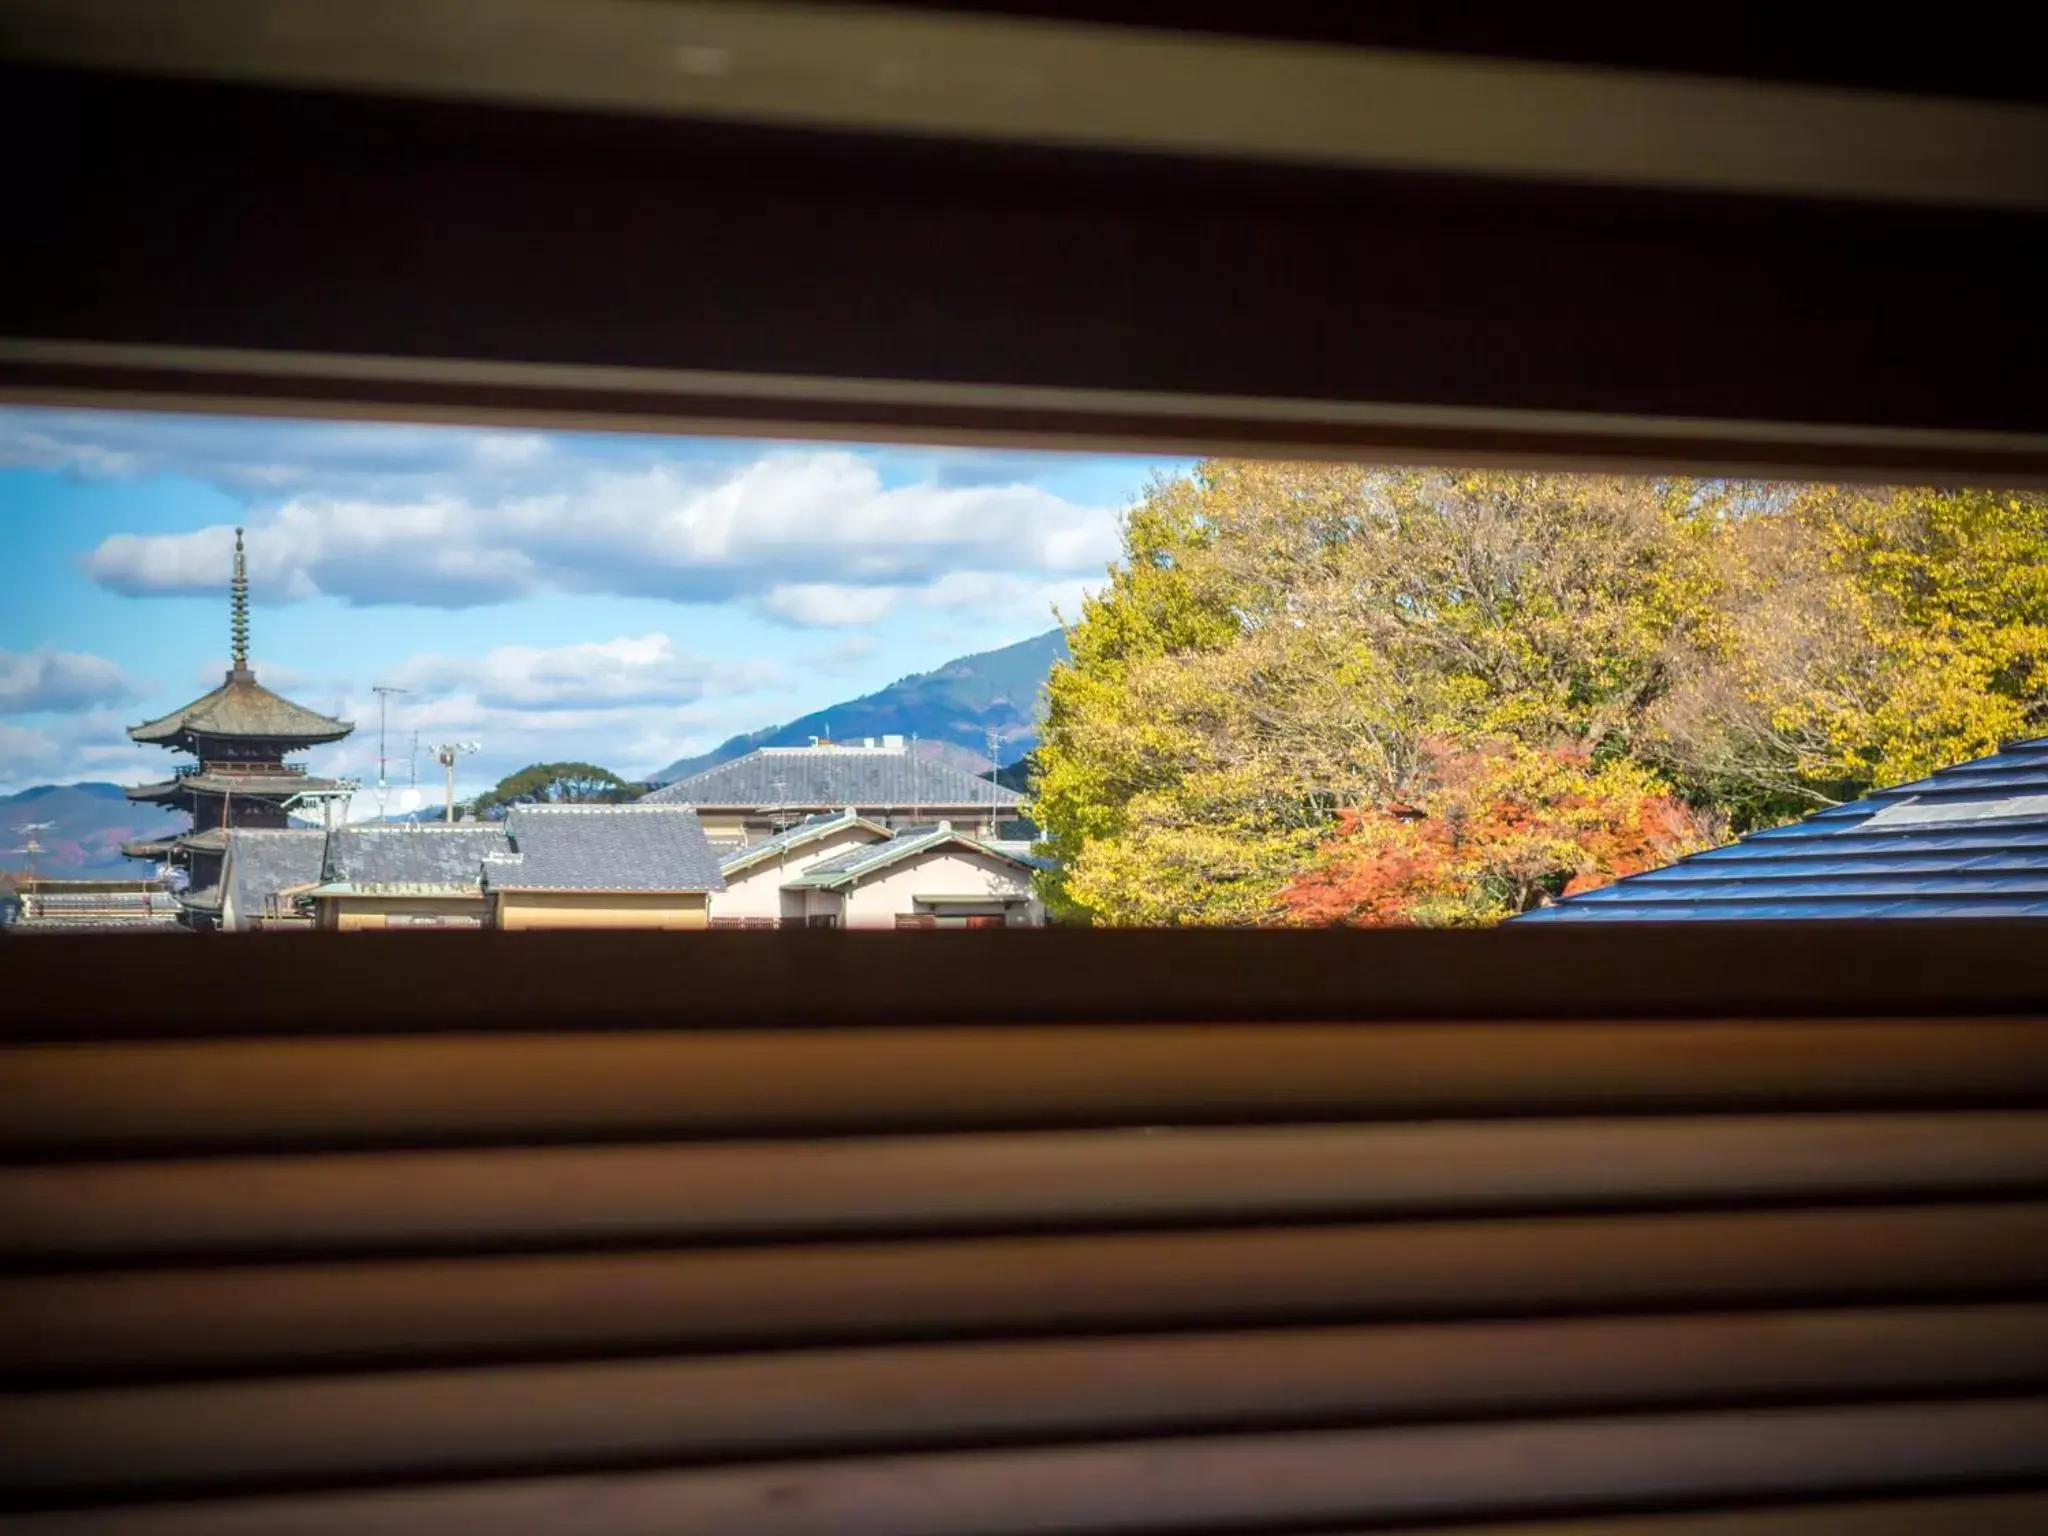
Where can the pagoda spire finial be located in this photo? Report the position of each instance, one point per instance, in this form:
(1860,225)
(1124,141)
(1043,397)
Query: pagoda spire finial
(239,629)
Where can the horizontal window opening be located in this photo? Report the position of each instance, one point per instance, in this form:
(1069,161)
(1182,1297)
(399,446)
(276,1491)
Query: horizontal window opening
(301,676)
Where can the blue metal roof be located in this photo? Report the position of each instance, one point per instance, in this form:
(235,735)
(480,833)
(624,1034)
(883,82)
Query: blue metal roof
(1968,841)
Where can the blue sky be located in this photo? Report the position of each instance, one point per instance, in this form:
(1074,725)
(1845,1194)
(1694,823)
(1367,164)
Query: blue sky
(614,598)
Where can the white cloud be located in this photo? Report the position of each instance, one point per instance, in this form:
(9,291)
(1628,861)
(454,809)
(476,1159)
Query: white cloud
(421,552)
(273,674)
(1006,596)
(89,745)
(630,739)
(281,457)
(631,670)
(59,681)
(631,704)
(24,753)
(828,604)
(844,657)
(794,531)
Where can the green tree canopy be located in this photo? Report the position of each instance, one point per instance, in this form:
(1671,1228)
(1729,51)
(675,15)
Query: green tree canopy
(556,784)
(1285,648)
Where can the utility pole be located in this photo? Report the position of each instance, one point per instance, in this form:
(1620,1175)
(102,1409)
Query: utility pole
(383,692)
(445,755)
(994,788)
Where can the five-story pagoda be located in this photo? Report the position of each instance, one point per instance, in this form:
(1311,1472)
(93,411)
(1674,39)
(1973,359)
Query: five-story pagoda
(241,733)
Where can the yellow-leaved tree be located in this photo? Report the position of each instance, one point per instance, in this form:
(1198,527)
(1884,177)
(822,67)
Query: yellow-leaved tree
(1859,638)
(1285,651)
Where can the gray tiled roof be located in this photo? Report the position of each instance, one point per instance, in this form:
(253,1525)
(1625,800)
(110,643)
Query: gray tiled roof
(415,855)
(155,922)
(1968,841)
(145,907)
(241,707)
(636,847)
(830,778)
(262,862)
(856,864)
(805,831)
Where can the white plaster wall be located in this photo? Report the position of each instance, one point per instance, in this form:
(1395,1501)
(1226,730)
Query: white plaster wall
(876,901)
(757,892)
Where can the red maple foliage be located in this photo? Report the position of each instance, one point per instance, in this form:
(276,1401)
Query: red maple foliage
(1491,831)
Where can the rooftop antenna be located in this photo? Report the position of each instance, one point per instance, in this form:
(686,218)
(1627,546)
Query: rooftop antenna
(383,692)
(445,755)
(29,846)
(916,785)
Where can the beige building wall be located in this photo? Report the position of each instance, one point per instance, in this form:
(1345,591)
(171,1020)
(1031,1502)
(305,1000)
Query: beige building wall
(602,909)
(757,892)
(354,913)
(816,904)
(725,830)
(877,901)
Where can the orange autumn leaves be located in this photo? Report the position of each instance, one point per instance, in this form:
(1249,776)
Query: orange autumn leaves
(1488,832)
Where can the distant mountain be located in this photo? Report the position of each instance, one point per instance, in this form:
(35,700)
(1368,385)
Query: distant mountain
(91,823)
(1015,775)
(950,710)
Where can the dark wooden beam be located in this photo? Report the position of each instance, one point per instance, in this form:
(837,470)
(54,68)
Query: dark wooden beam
(1143,299)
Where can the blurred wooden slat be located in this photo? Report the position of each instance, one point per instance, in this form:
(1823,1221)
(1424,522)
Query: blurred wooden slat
(551,1197)
(428,983)
(456,1309)
(1163,92)
(1994,1514)
(394,1091)
(1199,1484)
(416,1424)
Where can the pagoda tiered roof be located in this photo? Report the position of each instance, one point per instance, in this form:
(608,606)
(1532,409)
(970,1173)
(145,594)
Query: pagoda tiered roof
(269,782)
(241,709)
(241,733)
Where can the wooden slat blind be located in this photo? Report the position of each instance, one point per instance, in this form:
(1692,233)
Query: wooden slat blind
(473,1087)
(1763,1276)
